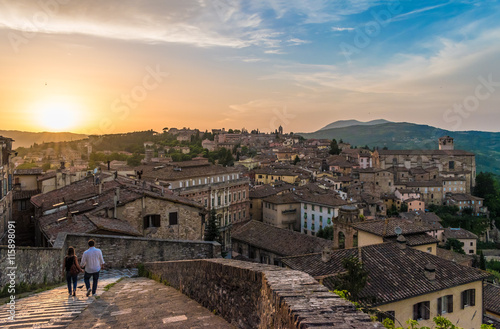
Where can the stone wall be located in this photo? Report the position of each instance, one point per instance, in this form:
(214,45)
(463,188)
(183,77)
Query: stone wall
(250,295)
(124,251)
(44,265)
(34,265)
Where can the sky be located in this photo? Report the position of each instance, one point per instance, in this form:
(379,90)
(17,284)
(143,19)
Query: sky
(100,67)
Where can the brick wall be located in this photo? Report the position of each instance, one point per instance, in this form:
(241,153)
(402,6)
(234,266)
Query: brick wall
(251,295)
(39,265)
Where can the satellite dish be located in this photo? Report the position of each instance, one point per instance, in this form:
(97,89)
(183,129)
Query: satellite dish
(398,230)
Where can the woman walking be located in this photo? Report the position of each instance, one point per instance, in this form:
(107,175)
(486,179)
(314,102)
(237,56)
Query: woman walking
(72,269)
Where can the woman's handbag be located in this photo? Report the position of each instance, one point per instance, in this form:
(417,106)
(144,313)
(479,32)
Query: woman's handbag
(73,269)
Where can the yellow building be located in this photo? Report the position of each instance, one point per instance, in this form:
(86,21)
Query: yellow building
(272,175)
(404,283)
(417,234)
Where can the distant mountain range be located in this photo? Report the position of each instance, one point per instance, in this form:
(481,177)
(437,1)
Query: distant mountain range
(348,123)
(403,135)
(26,139)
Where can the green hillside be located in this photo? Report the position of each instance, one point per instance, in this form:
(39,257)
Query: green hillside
(398,136)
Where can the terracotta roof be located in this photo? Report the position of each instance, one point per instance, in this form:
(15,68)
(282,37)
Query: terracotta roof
(492,298)
(113,225)
(167,172)
(414,240)
(20,195)
(424,152)
(326,199)
(458,233)
(453,256)
(284,198)
(394,274)
(463,197)
(279,241)
(32,171)
(385,228)
(262,191)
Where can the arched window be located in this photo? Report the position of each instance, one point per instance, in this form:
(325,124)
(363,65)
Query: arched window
(341,240)
(355,240)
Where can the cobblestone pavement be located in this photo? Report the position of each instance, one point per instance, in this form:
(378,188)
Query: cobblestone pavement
(144,303)
(54,308)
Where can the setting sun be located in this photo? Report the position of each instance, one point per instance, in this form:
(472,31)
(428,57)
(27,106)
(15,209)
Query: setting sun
(61,114)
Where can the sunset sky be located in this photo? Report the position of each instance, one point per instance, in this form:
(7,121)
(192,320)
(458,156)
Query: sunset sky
(116,66)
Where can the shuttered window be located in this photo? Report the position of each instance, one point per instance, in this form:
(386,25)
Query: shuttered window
(152,221)
(421,311)
(468,298)
(445,304)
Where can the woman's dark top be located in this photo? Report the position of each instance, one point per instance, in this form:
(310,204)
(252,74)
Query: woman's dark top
(68,262)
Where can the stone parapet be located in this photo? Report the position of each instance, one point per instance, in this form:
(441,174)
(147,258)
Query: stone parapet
(250,295)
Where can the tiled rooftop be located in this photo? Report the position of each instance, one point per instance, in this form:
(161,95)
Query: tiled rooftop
(458,233)
(386,228)
(492,298)
(279,241)
(394,273)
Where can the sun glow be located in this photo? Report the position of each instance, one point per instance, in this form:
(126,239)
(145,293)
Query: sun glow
(61,114)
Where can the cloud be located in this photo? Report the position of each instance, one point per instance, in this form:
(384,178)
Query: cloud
(198,23)
(417,11)
(340,29)
(296,42)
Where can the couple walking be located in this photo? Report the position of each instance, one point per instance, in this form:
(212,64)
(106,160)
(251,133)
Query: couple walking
(91,260)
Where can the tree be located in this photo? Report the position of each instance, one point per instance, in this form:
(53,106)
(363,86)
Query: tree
(46,166)
(354,280)
(404,207)
(487,188)
(334,148)
(325,233)
(212,229)
(482,261)
(296,160)
(455,245)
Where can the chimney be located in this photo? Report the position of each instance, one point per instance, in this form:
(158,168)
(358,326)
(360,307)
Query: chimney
(430,271)
(100,188)
(401,241)
(117,194)
(326,255)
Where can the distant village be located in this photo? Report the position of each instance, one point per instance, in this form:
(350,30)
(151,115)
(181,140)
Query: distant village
(277,198)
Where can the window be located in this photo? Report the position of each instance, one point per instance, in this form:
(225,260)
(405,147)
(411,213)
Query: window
(421,311)
(152,221)
(244,195)
(312,207)
(468,298)
(22,206)
(172,218)
(218,200)
(471,251)
(320,209)
(451,165)
(429,250)
(445,304)
(472,244)
(239,195)
(329,211)
(206,202)
(229,197)
(305,205)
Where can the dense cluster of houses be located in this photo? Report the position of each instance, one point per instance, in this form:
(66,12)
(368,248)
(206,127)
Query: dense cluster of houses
(271,207)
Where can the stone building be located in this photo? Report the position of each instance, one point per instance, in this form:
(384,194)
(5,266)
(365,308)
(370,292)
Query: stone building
(446,159)
(5,185)
(266,243)
(282,211)
(117,207)
(260,192)
(223,189)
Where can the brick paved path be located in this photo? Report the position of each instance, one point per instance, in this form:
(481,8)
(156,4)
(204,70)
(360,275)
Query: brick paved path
(144,303)
(54,308)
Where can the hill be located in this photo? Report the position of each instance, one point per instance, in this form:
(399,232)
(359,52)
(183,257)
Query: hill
(348,123)
(403,135)
(26,139)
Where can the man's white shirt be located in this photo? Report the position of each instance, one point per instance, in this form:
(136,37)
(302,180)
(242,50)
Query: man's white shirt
(92,260)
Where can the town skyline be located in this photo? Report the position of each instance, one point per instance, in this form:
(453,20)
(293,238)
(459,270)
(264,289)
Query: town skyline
(97,68)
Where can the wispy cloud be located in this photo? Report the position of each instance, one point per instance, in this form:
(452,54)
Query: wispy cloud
(340,29)
(417,11)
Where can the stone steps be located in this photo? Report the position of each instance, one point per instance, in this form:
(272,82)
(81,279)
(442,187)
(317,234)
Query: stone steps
(55,308)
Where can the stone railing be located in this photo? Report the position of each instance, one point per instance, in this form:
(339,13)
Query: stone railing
(250,295)
(44,265)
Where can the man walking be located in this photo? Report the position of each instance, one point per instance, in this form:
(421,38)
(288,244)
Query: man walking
(92,261)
